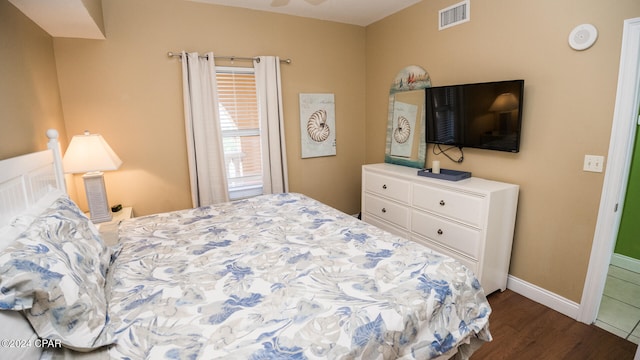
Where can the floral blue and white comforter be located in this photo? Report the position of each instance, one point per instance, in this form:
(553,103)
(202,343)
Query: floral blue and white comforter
(284,277)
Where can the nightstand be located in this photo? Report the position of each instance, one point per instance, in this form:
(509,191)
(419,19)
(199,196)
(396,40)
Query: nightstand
(109,229)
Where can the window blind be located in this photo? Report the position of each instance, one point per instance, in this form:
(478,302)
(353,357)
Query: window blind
(238,109)
(445,114)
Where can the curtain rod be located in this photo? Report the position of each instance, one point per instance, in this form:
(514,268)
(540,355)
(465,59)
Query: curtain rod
(232,58)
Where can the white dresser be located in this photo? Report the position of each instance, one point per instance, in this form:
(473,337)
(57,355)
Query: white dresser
(471,220)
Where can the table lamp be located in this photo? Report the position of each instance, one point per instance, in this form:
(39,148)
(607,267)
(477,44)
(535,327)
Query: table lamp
(90,154)
(503,105)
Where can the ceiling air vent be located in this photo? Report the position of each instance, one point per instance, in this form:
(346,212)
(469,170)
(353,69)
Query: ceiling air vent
(454,15)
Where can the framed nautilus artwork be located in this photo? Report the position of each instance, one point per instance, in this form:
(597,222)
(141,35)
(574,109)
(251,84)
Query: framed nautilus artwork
(317,125)
(406,143)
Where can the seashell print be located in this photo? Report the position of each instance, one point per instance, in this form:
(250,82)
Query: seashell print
(403,131)
(317,126)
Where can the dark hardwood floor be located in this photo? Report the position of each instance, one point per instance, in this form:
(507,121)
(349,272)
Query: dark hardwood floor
(523,329)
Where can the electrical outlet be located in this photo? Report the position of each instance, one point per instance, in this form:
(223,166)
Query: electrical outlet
(593,163)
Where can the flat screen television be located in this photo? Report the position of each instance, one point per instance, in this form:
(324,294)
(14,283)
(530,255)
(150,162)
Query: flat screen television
(482,115)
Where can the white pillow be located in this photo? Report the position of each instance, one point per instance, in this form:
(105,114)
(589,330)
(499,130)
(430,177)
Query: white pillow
(10,232)
(16,328)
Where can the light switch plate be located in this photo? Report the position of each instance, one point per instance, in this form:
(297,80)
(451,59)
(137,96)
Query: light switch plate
(593,163)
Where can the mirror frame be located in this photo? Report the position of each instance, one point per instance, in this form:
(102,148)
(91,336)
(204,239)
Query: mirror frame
(411,78)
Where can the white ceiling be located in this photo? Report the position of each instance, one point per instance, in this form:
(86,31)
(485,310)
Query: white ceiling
(357,12)
(83,18)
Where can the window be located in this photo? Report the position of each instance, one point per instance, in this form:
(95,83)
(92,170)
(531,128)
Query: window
(240,124)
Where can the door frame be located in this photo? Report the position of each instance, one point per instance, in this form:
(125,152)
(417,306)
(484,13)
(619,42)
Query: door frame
(623,132)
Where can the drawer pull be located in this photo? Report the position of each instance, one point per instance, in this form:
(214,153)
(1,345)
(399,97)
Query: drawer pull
(442,202)
(440,232)
(384,210)
(384,186)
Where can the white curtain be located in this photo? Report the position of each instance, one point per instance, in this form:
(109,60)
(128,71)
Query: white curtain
(274,160)
(204,141)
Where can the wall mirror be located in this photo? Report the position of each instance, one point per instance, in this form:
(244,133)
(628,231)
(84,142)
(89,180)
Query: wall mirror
(406,121)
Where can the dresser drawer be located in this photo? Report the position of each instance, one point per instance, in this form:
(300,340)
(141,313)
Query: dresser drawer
(438,249)
(395,230)
(387,210)
(387,186)
(458,237)
(465,207)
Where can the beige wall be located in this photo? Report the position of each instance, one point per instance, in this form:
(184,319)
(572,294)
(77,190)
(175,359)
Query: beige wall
(568,109)
(127,89)
(29,95)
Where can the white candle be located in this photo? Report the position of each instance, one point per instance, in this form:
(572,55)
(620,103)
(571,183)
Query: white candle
(435,167)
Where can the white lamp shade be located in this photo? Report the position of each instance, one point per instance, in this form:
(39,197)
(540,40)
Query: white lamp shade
(504,102)
(89,152)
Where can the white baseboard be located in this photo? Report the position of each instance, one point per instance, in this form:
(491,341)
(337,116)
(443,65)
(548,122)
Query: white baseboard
(625,262)
(544,297)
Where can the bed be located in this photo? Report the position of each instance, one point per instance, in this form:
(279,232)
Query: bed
(278,276)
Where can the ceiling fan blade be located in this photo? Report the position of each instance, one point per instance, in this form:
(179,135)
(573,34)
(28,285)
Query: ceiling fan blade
(315,2)
(278,3)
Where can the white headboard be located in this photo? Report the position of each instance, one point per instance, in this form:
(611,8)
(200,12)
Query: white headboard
(23,181)
(27,178)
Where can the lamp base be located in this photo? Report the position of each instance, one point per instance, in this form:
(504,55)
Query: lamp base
(97,196)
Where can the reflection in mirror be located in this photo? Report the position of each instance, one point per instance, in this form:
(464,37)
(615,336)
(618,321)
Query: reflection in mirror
(406,122)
